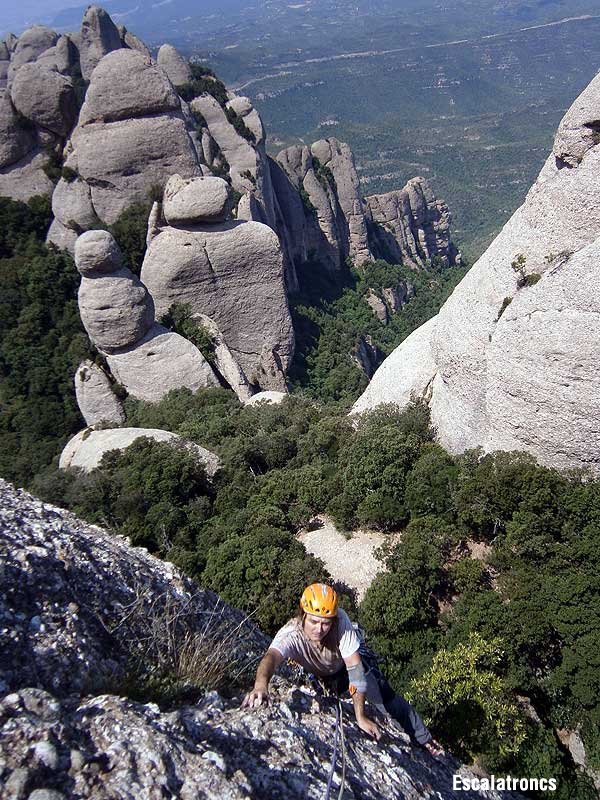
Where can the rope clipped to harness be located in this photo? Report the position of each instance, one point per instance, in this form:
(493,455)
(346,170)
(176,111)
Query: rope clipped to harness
(339,736)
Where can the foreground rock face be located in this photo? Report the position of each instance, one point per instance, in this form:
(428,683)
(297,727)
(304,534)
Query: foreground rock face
(509,361)
(78,603)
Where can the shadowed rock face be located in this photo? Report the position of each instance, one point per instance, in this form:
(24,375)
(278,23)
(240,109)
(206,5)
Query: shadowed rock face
(78,602)
(412,226)
(95,398)
(521,376)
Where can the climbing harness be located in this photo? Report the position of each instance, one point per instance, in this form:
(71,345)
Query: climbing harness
(339,737)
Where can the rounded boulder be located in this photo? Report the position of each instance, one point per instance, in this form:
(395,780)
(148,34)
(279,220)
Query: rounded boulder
(97,252)
(192,200)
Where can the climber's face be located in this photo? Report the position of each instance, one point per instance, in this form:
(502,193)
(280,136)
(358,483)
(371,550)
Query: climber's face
(316,628)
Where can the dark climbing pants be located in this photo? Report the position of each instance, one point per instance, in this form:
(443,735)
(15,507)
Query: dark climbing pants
(382,696)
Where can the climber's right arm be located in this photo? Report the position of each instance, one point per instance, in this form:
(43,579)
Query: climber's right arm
(266,669)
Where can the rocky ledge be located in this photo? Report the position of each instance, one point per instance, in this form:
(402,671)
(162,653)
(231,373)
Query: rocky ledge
(78,607)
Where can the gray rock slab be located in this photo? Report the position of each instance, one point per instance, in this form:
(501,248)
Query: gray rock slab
(159,362)
(579,129)
(122,161)
(72,205)
(25,178)
(174,64)
(95,398)
(482,376)
(99,36)
(17,136)
(233,273)
(31,44)
(134,43)
(338,157)
(97,253)
(86,449)
(46,97)
(62,237)
(127,84)
(412,226)
(543,384)
(61,58)
(392,383)
(195,200)
(116,309)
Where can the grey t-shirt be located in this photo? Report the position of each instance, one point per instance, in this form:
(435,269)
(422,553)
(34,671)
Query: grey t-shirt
(292,643)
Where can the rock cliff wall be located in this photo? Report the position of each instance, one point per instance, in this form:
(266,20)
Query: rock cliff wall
(509,361)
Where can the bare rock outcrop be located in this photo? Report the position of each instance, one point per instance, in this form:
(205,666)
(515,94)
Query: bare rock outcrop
(52,105)
(231,271)
(174,64)
(17,138)
(67,590)
(337,157)
(412,226)
(246,159)
(321,226)
(80,606)
(86,449)
(130,136)
(99,36)
(30,44)
(96,400)
(537,392)
(118,315)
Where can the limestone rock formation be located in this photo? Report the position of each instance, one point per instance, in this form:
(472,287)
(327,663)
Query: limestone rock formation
(67,588)
(230,271)
(176,67)
(337,157)
(52,105)
(131,135)
(246,159)
(266,397)
(412,226)
(85,449)
(224,362)
(95,397)
(80,604)
(99,36)
(118,315)
(195,200)
(320,226)
(521,376)
(30,44)
(62,57)
(16,138)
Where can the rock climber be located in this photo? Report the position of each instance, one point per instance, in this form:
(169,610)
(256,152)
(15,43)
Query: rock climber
(322,640)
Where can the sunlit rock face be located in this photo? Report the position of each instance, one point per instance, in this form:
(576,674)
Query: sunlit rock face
(509,361)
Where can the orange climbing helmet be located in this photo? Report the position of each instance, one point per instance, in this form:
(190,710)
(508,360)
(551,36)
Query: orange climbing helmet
(320,600)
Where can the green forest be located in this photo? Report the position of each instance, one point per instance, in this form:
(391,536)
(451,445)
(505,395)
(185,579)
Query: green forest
(488,615)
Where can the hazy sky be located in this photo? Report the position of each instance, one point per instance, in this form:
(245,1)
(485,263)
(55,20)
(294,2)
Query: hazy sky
(16,15)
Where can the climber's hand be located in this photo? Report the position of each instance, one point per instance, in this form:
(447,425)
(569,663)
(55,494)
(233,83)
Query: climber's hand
(370,728)
(256,698)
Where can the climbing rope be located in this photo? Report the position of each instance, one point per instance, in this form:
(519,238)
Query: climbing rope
(339,736)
